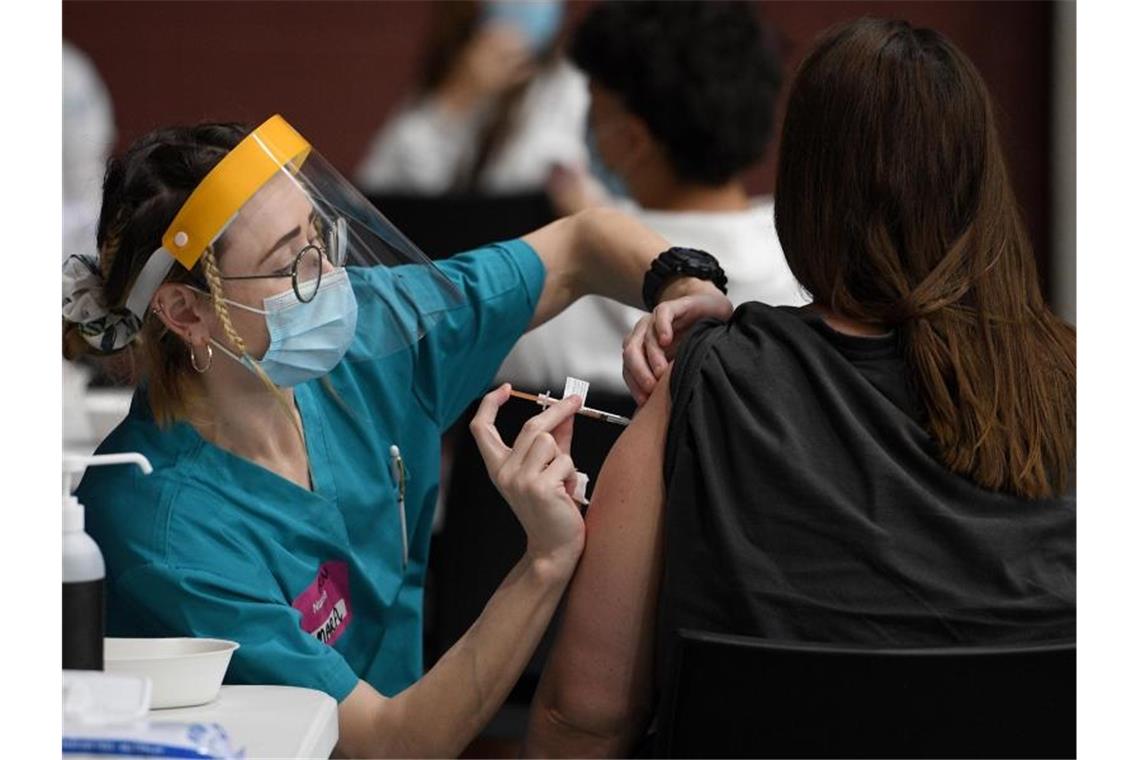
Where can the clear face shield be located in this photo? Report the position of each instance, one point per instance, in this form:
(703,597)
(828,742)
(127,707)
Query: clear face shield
(330,267)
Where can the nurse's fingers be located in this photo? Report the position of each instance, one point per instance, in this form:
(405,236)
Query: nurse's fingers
(669,319)
(547,421)
(638,396)
(663,317)
(564,433)
(654,353)
(638,376)
(562,470)
(542,452)
(487,437)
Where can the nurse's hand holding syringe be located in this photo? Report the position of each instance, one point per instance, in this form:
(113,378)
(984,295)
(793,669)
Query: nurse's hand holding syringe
(536,476)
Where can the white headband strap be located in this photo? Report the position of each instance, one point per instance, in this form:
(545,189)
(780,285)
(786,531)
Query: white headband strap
(146,284)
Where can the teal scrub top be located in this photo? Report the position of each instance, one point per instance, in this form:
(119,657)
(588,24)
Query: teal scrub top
(311,584)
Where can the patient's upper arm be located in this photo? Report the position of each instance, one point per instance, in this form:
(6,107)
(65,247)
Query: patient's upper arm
(597,681)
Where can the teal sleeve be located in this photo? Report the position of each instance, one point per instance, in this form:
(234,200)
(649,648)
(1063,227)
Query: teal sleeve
(273,648)
(457,359)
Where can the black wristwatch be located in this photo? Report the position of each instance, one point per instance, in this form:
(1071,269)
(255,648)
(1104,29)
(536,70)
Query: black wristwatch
(681,262)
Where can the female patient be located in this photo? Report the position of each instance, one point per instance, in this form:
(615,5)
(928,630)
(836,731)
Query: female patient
(890,465)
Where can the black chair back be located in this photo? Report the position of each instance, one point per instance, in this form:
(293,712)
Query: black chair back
(734,696)
(443,225)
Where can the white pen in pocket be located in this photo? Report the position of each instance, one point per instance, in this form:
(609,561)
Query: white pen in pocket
(400,476)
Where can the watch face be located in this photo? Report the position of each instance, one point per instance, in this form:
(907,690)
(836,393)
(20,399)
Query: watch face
(694,263)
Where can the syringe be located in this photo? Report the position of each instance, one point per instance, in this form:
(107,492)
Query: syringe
(544,400)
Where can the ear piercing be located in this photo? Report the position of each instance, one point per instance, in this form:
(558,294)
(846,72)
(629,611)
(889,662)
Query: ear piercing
(209,359)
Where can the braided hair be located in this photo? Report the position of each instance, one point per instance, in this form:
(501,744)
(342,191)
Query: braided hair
(143,190)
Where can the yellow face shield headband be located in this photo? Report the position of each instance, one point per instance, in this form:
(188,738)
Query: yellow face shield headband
(272,147)
(274,195)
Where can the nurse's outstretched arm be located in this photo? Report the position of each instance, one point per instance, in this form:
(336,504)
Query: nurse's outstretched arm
(442,712)
(604,252)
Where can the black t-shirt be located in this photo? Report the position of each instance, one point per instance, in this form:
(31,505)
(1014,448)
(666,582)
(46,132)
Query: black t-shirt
(806,502)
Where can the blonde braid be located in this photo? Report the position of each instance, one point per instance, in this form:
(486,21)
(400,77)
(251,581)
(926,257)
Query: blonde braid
(214,280)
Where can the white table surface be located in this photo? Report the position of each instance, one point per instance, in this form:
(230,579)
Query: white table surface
(268,721)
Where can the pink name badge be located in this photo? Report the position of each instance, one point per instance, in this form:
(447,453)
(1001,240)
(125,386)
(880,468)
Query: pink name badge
(325,607)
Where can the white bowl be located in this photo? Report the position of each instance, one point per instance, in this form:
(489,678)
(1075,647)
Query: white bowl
(183,672)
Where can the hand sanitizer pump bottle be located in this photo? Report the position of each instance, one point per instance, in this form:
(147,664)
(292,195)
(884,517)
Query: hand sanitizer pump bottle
(83,571)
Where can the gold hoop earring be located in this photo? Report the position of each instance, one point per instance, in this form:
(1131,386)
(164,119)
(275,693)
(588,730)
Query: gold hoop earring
(209,359)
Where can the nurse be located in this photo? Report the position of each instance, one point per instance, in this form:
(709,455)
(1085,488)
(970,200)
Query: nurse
(296,359)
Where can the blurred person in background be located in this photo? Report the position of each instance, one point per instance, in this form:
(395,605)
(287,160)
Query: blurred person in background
(893,465)
(88,136)
(682,103)
(497,106)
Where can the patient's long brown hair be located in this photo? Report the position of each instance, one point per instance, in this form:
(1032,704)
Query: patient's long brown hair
(893,206)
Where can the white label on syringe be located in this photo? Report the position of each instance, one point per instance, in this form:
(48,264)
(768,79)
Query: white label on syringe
(576,387)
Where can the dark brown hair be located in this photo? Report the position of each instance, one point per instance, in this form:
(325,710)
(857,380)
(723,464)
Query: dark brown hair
(142,191)
(703,76)
(893,206)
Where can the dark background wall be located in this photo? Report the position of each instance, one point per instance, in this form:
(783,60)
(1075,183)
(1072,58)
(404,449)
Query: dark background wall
(336,69)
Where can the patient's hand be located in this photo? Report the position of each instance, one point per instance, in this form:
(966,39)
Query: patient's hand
(650,347)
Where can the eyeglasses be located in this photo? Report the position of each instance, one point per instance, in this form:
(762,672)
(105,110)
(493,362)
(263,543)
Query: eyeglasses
(305,273)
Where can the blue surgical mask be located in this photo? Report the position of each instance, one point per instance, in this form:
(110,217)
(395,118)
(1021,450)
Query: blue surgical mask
(306,340)
(611,180)
(538,20)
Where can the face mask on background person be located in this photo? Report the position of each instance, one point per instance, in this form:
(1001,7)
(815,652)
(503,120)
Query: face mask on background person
(610,179)
(306,340)
(538,21)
